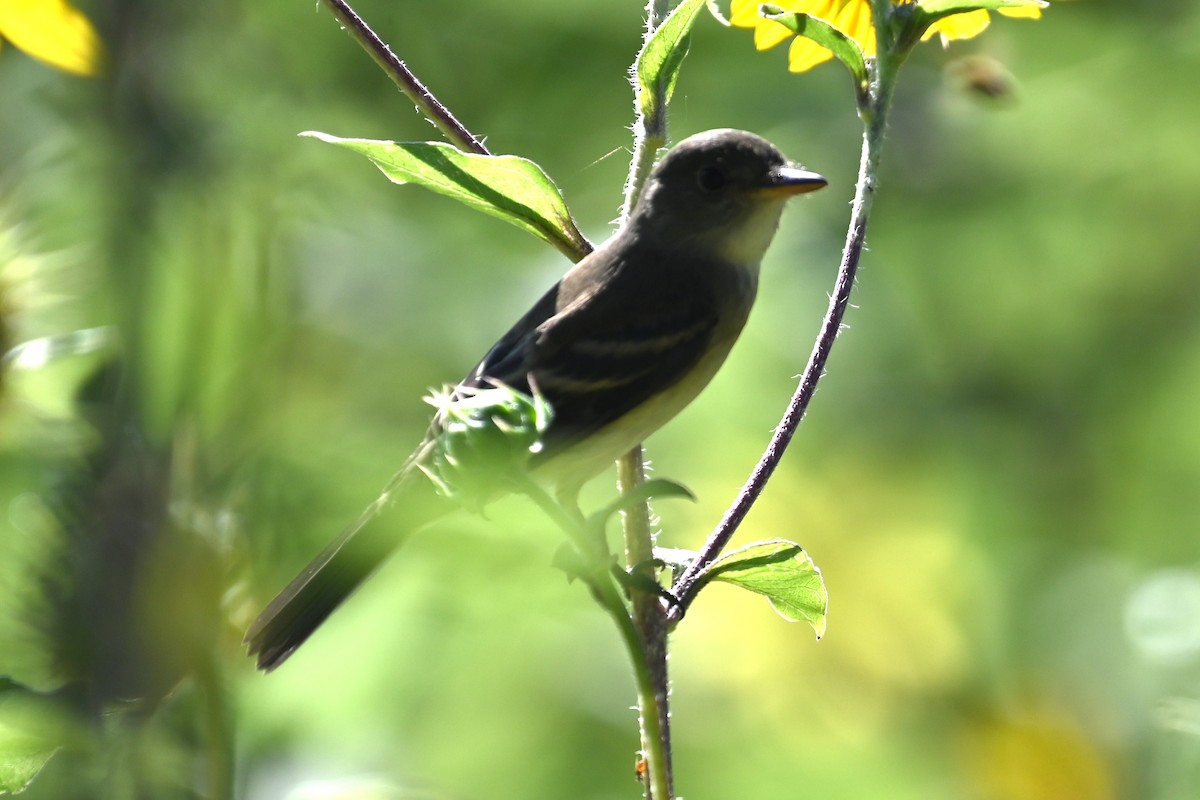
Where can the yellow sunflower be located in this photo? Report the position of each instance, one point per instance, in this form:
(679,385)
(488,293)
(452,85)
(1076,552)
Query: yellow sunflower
(52,31)
(853,18)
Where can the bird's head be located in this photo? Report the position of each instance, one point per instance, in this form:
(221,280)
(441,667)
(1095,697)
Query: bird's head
(720,193)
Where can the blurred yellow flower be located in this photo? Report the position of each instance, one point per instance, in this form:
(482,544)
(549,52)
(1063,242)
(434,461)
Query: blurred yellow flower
(1033,753)
(52,31)
(853,18)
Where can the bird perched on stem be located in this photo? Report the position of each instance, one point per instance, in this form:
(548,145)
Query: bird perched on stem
(618,347)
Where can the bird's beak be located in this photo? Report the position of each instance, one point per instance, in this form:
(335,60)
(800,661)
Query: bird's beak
(790,180)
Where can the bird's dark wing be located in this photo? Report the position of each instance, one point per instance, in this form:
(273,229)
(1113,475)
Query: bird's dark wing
(508,360)
(595,358)
(595,366)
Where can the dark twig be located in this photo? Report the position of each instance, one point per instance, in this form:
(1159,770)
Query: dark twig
(402,76)
(874,112)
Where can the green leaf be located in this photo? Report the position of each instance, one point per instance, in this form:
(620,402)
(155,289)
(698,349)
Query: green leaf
(919,16)
(715,10)
(657,66)
(37,353)
(509,187)
(21,759)
(23,753)
(842,46)
(781,572)
(653,489)
(676,557)
(936,9)
(568,558)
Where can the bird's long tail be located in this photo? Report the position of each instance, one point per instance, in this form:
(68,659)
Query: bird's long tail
(333,575)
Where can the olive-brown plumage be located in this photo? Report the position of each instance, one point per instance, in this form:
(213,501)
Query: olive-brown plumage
(621,344)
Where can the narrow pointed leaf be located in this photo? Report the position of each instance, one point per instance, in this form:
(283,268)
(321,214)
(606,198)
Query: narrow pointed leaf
(509,187)
(781,572)
(924,14)
(652,489)
(657,66)
(936,9)
(842,46)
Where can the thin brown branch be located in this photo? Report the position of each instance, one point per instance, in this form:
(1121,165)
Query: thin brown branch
(408,83)
(688,584)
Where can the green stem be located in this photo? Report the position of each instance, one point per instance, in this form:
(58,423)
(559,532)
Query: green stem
(650,620)
(655,735)
(219,731)
(648,644)
(656,747)
(882,12)
(649,133)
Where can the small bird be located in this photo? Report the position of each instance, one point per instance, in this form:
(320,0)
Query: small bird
(620,345)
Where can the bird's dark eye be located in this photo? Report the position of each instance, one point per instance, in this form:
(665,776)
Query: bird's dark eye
(711,178)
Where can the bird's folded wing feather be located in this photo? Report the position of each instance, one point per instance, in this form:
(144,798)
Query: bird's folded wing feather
(594,363)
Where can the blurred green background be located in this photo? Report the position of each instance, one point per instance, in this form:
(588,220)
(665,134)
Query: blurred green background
(1000,476)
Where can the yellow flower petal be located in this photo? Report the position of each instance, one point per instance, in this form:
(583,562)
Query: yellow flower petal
(769,33)
(960,26)
(804,54)
(821,9)
(52,31)
(854,20)
(744,13)
(1025,12)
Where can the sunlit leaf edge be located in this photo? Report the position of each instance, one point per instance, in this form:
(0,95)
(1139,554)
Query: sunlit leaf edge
(936,9)
(657,65)
(21,760)
(532,203)
(23,755)
(760,557)
(651,489)
(845,49)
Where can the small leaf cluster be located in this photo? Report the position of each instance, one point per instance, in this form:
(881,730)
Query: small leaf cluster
(482,440)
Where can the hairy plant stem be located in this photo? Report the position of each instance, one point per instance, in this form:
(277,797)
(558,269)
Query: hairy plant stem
(649,133)
(596,574)
(650,620)
(644,630)
(874,115)
(648,616)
